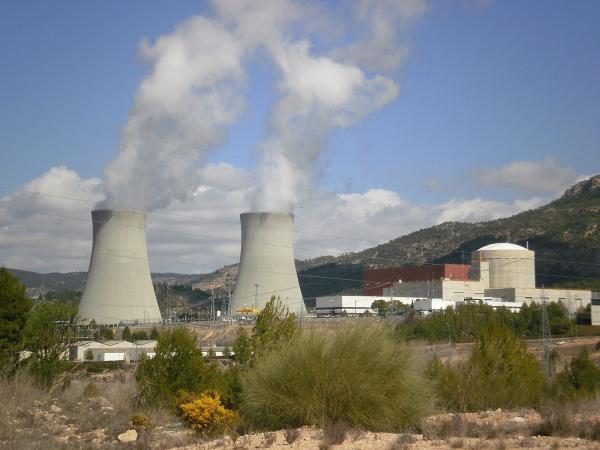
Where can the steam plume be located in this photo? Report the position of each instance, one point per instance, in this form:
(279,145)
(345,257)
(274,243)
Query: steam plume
(193,93)
(180,113)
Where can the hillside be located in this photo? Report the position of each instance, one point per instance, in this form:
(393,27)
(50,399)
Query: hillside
(567,229)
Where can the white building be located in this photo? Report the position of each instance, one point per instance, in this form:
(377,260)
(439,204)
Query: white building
(444,288)
(112,350)
(352,305)
(430,305)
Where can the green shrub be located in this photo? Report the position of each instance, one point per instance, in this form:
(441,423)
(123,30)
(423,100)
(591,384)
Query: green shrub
(357,375)
(178,365)
(90,390)
(49,330)
(139,336)
(14,307)
(500,373)
(88,355)
(140,421)
(274,326)
(580,378)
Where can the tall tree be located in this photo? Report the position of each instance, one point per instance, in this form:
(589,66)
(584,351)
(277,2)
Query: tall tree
(14,307)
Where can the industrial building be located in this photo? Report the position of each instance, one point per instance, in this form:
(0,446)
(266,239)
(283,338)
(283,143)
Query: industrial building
(357,305)
(118,288)
(267,267)
(375,280)
(501,272)
(112,350)
(351,305)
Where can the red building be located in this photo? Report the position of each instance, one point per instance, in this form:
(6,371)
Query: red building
(374,280)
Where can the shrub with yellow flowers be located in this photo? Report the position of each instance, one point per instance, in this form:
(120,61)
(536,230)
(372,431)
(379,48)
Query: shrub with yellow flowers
(206,414)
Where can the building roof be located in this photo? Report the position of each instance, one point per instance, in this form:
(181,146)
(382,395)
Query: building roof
(119,344)
(502,246)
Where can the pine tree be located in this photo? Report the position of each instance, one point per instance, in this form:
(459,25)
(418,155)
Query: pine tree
(14,307)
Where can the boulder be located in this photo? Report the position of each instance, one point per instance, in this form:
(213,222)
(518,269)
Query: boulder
(128,436)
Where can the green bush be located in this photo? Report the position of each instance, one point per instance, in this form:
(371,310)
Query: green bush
(580,378)
(274,326)
(90,390)
(357,375)
(178,365)
(500,373)
(49,330)
(14,307)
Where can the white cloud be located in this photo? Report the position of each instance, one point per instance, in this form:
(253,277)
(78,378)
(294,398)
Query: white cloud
(548,176)
(52,233)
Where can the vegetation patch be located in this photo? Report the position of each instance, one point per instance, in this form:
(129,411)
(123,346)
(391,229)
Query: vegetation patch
(356,375)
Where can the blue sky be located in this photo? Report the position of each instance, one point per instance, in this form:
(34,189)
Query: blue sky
(483,87)
(486,84)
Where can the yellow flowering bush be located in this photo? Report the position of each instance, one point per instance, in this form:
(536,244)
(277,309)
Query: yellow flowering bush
(206,414)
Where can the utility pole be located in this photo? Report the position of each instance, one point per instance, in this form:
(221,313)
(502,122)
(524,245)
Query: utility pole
(168,307)
(229,304)
(546,339)
(255,296)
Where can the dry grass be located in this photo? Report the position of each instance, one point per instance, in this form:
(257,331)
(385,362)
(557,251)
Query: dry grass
(571,419)
(269,439)
(27,420)
(457,443)
(291,435)
(458,426)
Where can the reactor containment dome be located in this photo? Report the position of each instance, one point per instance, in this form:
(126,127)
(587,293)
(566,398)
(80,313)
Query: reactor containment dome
(267,264)
(504,265)
(119,288)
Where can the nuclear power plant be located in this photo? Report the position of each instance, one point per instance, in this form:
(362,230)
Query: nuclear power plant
(119,288)
(502,273)
(267,264)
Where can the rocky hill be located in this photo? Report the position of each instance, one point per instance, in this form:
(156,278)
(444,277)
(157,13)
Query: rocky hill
(565,235)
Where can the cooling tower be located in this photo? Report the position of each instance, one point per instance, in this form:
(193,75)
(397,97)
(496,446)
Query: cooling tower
(119,287)
(267,265)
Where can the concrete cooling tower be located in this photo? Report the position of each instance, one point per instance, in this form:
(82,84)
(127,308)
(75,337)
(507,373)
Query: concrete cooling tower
(267,263)
(119,287)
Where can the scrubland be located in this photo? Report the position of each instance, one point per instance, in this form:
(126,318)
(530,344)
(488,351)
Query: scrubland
(357,385)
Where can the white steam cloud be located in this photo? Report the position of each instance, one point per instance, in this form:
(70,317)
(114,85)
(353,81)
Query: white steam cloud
(194,92)
(319,93)
(180,113)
